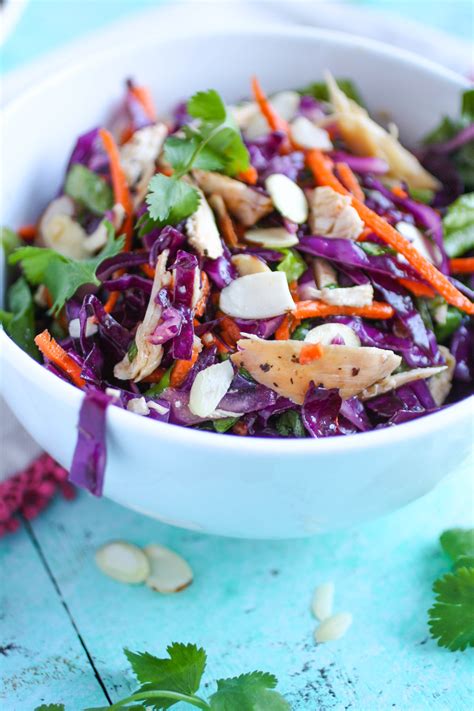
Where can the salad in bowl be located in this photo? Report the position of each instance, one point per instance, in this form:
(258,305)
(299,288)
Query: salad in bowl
(282,267)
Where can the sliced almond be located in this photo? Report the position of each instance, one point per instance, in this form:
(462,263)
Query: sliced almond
(169,572)
(248,264)
(271,238)
(74,327)
(202,231)
(324,273)
(333,628)
(245,203)
(123,561)
(417,238)
(257,296)
(276,365)
(285,103)
(322,602)
(360,295)
(392,382)
(209,387)
(138,405)
(305,134)
(327,332)
(287,197)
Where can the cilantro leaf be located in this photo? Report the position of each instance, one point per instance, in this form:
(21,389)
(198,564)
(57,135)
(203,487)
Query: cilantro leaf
(290,424)
(293,265)
(170,200)
(19,321)
(451,619)
(179,151)
(88,189)
(182,672)
(224,424)
(9,240)
(248,692)
(207,106)
(50,707)
(458,543)
(458,226)
(62,275)
(319,90)
(467,106)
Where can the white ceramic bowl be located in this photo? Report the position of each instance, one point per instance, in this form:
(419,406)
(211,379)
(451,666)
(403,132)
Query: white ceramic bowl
(221,484)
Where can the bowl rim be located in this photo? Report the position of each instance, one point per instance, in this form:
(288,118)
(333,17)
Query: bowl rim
(118,417)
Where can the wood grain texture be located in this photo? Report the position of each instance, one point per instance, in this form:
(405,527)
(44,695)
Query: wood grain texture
(41,657)
(249,604)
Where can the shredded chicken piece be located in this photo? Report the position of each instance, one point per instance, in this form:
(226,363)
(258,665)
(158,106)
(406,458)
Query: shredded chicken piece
(392,382)
(440,384)
(245,203)
(366,138)
(360,295)
(149,355)
(276,365)
(324,273)
(332,215)
(202,230)
(141,151)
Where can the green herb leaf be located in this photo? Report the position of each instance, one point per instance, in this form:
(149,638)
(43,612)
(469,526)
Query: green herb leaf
(163,383)
(170,200)
(319,90)
(19,321)
(248,692)
(458,542)
(180,151)
(453,320)
(9,240)
(224,424)
(293,264)
(61,275)
(132,351)
(51,707)
(451,619)
(300,332)
(207,106)
(424,195)
(227,146)
(290,424)
(374,250)
(467,106)
(182,672)
(458,226)
(88,189)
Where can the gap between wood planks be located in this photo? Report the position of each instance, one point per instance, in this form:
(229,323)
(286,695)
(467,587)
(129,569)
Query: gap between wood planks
(49,572)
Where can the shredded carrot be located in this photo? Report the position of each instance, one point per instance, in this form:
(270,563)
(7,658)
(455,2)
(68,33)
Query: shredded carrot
(205,291)
(315,309)
(350,181)
(323,174)
(154,377)
(293,287)
(283,331)
(399,192)
(418,288)
(143,96)
(181,368)
(221,346)
(27,232)
(148,270)
(249,176)
(57,355)
(310,352)
(230,331)
(274,121)
(462,265)
(364,235)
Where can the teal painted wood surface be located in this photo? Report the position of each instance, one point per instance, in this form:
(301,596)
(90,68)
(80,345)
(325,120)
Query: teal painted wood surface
(248,605)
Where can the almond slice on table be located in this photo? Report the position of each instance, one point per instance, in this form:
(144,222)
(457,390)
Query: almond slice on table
(327,332)
(271,237)
(123,561)
(333,628)
(261,295)
(287,197)
(305,134)
(245,203)
(322,602)
(276,365)
(169,572)
(209,387)
(249,264)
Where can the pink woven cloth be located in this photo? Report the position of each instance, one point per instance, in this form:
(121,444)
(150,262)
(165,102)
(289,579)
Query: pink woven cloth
(28,492)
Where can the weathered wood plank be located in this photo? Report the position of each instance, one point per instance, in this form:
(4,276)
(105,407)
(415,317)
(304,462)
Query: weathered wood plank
(249,604)
(41,657)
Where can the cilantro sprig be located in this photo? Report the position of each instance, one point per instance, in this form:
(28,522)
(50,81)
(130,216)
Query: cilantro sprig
(165,682)
(451,619)
(211,142)
(62,275)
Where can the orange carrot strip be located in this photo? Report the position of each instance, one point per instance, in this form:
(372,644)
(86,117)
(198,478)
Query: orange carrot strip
(274,121)
(315,309)
(221,346)
(350,181)
(364,236)
(417,288)
(230,331)
(181,368)
(322,171)
(27,232)
(148,270)
(399,192)
(143,96)
(462,265)
(205,291)
(154,377)
(283,331)
(310,352)
(249,176)
(57,355)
